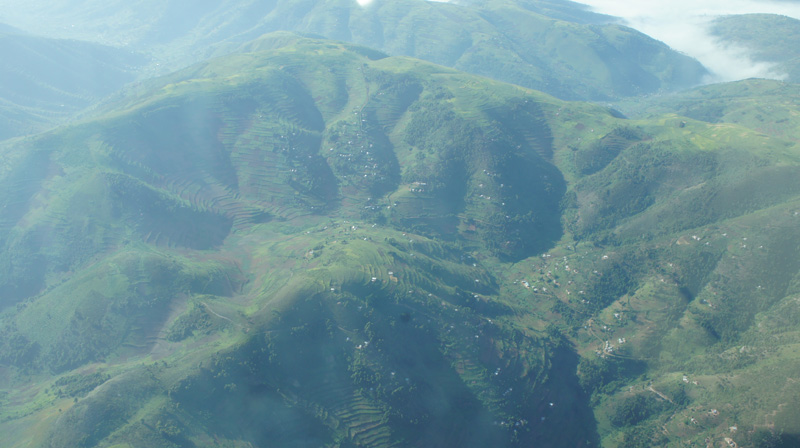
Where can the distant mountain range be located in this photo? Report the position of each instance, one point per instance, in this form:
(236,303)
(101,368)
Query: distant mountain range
(770,38)
(554,46)
(44,81)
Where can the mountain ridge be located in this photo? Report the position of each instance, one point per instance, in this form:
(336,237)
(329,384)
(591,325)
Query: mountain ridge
(46,81)
(364,250)
(509,41)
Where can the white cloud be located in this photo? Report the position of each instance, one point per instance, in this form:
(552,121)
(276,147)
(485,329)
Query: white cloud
(683,25)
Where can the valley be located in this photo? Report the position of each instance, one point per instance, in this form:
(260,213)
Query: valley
(309,242)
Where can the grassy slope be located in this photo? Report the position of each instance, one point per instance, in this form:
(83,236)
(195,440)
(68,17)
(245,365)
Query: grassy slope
(766,106)
(46,81)
(691,232)
(557,48)
(305,287)
(349,248)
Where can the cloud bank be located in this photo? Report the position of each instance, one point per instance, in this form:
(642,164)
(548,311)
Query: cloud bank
(684,26)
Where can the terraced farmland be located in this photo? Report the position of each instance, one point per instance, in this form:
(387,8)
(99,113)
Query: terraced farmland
(359,250)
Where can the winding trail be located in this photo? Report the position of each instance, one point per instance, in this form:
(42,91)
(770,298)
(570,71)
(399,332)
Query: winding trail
(651,389)
(216,313)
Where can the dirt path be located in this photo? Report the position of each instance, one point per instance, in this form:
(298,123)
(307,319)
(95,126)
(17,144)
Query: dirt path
(651,389)
(216,313)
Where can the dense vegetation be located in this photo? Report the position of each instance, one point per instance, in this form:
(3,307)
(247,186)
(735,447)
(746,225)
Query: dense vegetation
(554,46)
(355,249)
(771,38)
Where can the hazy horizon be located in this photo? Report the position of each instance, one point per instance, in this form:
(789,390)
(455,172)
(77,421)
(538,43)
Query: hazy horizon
(684,26)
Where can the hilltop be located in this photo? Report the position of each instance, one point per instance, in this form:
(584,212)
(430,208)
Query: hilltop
(353,249)
(291,236)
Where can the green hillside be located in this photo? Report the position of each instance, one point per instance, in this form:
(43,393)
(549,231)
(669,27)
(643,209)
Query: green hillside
(314,244)
(294,238)
(766,106)
(555,47)
(46,81)
(768,37)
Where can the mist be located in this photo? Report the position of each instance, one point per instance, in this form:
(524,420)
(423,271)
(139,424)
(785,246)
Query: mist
(684,26)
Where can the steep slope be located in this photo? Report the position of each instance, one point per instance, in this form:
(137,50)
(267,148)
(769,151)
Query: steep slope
(352,249)
(556,47)
(684,250)
(288,238)
(46,81)
(768,37)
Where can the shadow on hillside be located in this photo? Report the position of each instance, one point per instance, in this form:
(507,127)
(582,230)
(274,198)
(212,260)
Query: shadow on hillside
(566,405)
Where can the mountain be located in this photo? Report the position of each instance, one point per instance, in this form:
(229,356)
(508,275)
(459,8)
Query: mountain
(47,81)
(768,38)
(353,249)
(291,236)
(553,46)
(766,106)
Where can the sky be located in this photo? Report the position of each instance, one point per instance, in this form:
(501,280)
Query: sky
(683,25)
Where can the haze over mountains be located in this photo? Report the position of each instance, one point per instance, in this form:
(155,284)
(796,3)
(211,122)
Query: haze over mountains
(556,47)
(771,39)
(694,28)
(321,240)
(46,81)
